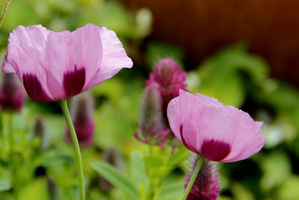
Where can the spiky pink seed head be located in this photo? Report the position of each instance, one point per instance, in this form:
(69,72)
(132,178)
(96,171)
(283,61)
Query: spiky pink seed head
(206,184)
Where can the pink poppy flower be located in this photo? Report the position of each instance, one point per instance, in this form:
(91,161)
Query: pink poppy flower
(216,131)
(57,65)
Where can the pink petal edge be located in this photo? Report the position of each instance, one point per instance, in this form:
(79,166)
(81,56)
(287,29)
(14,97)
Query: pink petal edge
(114,58)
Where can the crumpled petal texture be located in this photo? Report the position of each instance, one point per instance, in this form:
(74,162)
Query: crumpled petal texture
(216,131)
(57,65)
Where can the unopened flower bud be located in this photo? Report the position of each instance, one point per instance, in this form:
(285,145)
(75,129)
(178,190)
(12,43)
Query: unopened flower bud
(39,136)
(81,110)
(12,94)
(152,125)
(112,157)
(52,189)
(168,79)
(206,184)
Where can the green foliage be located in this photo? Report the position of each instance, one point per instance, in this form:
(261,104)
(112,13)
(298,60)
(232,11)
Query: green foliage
(289,189)
(222,75)
(153,161)
(157,50)
(273,177)
(68,15)
(37,189)
(4,185)
(117,179)
(178,157)
(172,191)
(138,173)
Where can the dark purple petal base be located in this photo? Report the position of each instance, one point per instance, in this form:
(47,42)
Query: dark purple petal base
(73,82)
(215,150)
(34,88)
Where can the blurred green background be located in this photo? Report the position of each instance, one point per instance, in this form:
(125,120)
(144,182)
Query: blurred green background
(233,75)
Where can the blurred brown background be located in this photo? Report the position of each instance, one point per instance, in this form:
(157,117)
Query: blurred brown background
(201,27)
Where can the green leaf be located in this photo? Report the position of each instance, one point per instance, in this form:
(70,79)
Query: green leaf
(230,74)
(4,185)
(116,178)
(19,12)
(277,168)
(241,192)
(56,156)
(36,188)
(158,50)
(138,173)
(289,190)
(153,161)
(179,156)
(172,191)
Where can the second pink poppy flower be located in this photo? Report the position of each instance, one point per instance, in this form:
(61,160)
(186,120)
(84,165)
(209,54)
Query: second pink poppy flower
(216,131)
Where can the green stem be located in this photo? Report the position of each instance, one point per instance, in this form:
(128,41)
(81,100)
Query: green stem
(193,177)
(76,146)
(4,11)
(7,136)
(10,133)
(1,135)
(11,153)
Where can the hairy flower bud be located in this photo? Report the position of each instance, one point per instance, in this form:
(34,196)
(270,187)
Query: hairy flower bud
(163,85)
(206,184)
(39,136)
(111,156)
(152,126)
(81,110)
(12,94)
(52,189)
